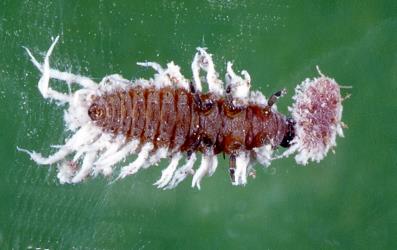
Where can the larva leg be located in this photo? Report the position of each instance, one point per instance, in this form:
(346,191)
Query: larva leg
(153,65)
(182,172)
(56,74)
(86,167)
(138,163)
(166,174)
(84,135)
(232,166)
(232,107)
(203,106)
(205,166)
(240,176)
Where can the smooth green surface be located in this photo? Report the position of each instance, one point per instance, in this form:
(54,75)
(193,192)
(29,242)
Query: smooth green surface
(348,201)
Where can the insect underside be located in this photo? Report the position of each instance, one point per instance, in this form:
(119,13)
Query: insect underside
(168,116)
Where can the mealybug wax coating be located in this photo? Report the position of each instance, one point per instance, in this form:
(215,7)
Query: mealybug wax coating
(169,116)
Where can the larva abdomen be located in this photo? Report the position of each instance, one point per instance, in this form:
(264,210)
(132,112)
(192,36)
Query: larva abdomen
(172,118)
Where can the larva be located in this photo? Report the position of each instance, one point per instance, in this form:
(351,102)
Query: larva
(169,116)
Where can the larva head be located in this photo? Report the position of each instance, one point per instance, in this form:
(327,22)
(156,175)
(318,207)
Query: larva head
(317,113)
(97,111)
(289,134)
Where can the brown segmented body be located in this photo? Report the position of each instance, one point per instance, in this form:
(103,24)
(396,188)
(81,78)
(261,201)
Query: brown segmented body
(171,117)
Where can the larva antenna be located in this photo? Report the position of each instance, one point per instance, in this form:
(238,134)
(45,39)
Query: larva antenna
(317,113)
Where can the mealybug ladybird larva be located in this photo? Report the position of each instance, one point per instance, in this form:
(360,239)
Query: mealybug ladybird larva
(169,116)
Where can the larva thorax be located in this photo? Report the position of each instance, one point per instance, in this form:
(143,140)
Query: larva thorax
(180,120)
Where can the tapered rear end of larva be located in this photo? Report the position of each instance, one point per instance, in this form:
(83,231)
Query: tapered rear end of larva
(317,111)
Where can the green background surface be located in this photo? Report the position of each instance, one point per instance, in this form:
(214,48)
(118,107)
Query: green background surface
(348,201)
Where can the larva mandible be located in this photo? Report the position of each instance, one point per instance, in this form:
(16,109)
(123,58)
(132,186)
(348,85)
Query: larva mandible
(169,116)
